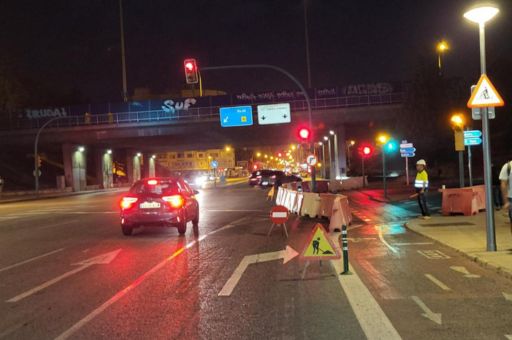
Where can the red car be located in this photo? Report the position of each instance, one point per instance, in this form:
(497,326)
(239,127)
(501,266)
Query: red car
(168,202)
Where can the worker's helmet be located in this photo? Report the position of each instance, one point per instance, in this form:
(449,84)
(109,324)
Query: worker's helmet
(421,162)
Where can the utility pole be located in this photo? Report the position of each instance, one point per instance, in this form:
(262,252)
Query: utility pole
(123,57)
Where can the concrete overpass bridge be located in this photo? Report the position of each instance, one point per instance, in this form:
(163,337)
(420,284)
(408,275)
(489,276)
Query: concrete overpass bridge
(149,131)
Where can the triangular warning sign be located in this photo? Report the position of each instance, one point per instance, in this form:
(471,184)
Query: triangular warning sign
(319,246)
(485,94)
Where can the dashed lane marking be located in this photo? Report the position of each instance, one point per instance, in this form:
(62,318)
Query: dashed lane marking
(30,260)
(433,254)
(437,282)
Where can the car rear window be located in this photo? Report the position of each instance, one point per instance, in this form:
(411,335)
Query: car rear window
(267,173)
(162,187)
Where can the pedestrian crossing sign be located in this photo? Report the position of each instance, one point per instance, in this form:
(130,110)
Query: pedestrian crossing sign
(485,95)
(319,246)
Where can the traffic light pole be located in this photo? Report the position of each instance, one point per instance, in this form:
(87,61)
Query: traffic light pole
(384,173)
(292,78)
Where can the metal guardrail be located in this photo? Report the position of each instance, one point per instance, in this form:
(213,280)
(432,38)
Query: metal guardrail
(196,114)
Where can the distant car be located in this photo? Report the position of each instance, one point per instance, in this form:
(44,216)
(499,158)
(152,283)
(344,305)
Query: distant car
(268,177)
(255,178)
(168,202)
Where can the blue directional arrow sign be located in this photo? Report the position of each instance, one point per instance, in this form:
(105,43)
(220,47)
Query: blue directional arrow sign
(407,154)
(407,150)
(214,164)
(472,134)
(472,141)
(236,116)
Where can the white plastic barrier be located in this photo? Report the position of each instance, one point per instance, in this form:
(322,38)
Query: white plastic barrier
(280,196)
(326,201)
(298,203)
(290,200)
(340,214)
(310,204)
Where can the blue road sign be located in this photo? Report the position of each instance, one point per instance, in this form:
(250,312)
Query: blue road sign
(407,150)
(472,134)
(214,164)
(407,154)
(236,116)
(472,141)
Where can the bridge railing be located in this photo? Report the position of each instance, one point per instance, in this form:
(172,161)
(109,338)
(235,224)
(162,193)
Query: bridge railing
(198,113)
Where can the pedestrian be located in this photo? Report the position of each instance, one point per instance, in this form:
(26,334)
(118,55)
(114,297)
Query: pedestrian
(421,186)
(506,189)
(496,187)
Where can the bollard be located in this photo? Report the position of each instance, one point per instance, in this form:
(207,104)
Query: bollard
(344,243)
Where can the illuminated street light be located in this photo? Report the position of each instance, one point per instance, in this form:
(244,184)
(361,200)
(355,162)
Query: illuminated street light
(139,154)
(481,15)
(441,47)
(383,138)
(258,154)
(228,148)
(293,147)
(81,149)
(458,120)
(266,156)
(109,152)
(153,156)
(326,138)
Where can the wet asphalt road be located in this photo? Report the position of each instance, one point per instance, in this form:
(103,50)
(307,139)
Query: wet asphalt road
(158,285)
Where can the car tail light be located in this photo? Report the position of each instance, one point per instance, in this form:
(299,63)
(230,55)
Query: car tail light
(127,202)
(175,201)
(274,176)
(259,177)
(152,182)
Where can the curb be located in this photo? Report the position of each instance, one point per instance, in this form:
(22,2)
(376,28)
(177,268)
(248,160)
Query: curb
(483,263)
(51,196)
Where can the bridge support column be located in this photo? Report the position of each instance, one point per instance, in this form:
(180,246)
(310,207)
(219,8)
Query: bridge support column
(133,166)
(75,166)
(104,168)
(151,166)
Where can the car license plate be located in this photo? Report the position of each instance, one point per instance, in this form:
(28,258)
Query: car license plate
(264,183)
(150,205)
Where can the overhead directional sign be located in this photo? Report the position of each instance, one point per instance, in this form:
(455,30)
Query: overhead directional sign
(274,114)
(236,116)
(472,141)
(485,94)
(319,246)
(472,134)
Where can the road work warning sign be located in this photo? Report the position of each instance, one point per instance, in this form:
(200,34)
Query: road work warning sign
(319,246)
(485,94)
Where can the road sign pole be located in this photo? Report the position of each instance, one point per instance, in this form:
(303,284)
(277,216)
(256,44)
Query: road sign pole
(461,169)
(407,171)
(384,184)
(470,168)
(362,170)
(489,211)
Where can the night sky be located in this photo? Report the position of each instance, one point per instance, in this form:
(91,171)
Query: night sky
(67,46)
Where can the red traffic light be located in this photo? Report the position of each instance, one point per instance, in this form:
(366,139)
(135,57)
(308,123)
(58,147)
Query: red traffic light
(365,150)
(304,134)
(191,72)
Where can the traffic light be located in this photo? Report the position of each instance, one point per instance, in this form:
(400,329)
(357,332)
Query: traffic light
(304,134)
(191,72)
(391,146)
(365,150)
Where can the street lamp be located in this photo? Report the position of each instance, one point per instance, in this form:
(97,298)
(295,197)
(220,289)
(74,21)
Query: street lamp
(441,47)
(350,144)
(336,156)
(323,158)
(327,139)
(81,149)
(480,15)
(458,121)
(228,148)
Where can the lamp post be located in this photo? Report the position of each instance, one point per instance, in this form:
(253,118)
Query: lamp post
(329,150)
(458,122)
(481,15)
(441,47)
(336,156)
(350,144)
(323,158)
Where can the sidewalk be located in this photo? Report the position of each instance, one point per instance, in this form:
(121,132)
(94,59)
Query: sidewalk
(467,234)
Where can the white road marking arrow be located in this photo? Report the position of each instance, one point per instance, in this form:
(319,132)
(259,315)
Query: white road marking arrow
(287,254)
(464,271)
(508,297)
(435,317)
(101,259)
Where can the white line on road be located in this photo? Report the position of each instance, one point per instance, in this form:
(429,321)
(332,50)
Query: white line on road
(30,260)
(369,314)
(412,243)
(437,282)
(435,317)
(464,271)
(101,259)
(81,323)
(508,336)
(381,237)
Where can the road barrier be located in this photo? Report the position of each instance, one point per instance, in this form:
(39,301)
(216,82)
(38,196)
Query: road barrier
(468,201)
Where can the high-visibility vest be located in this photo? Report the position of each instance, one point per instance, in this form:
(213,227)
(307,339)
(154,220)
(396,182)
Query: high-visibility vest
(421,180)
